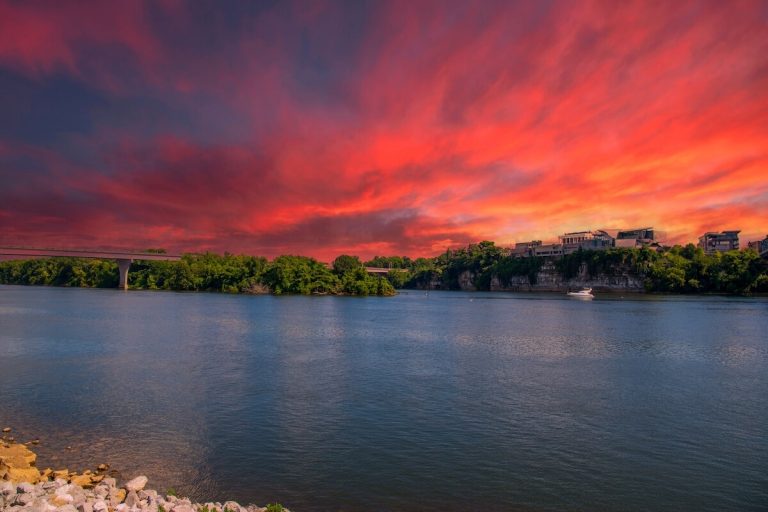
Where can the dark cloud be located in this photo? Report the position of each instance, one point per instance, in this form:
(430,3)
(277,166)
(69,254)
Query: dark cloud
(330,127)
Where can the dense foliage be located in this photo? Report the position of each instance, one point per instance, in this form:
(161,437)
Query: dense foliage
(477,263)
(202,272)
(688,270)
(679,270)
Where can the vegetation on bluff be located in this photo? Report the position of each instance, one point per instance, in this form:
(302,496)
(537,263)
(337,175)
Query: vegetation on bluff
(679,269)
(483,261)
(204,272)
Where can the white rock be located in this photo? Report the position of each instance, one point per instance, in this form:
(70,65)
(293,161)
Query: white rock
(100,506)
(132,499)
(233,506)
(136,484)
(6,488)
(25,487)
(24,499)
(64,489)
(68,498)
(43,506)
(148,494)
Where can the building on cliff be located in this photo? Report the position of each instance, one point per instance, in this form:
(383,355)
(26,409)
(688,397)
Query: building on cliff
(543,250)
(586,240)
(759,246)
(635,237)
(524,249)
(598,240)
(713,242)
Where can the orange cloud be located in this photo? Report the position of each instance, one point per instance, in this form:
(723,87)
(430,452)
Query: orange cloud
(391,128)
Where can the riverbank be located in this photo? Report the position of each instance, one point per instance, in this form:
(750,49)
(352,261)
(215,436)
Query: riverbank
(25,488)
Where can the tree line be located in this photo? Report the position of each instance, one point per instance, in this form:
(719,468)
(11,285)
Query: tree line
(680,269)
(205,272)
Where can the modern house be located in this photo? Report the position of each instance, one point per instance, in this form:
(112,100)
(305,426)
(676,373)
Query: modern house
(629,238)
(586,240)
(598,240)
(525,249)
(548,250)
(759,246)
(713,242)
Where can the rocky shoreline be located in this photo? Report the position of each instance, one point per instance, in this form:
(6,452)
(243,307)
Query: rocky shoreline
(24,488)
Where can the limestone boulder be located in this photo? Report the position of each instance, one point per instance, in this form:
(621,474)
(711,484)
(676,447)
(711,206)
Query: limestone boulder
(136,484)
(84,481)
(22,474)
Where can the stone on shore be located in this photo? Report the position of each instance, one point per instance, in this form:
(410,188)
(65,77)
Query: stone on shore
(136,484)
(65,491)
(132,499)
(85,507)
(17,455)
(117,497)
(83,481)
(17,463)
(62,499)
(100,506)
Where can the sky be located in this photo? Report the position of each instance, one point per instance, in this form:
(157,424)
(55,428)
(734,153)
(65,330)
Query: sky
(378,128)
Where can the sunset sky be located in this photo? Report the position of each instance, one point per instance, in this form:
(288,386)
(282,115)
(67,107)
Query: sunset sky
(321,128)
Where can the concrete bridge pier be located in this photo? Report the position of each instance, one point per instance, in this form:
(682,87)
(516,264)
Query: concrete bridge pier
(123,265)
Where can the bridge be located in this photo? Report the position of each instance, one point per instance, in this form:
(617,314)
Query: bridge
(382,270)
(123,258)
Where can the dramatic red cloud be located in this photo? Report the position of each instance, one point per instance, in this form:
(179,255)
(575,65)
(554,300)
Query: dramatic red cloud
(403,127)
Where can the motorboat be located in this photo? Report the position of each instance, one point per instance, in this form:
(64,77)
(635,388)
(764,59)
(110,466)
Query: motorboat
(584,293)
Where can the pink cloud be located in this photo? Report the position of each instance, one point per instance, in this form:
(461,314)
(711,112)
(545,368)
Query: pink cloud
(430,127)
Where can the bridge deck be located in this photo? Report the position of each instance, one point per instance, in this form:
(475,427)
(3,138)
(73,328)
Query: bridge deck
(382,270)
(70,253)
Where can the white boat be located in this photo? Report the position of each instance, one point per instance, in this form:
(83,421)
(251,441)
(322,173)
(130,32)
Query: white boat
(584,293)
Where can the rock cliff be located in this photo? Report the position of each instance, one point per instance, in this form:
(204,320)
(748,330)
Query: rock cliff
(549,279)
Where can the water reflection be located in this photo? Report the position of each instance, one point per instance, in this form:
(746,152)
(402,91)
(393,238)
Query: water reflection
(443,402)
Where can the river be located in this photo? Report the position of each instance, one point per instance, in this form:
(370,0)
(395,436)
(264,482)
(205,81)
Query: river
(446,401)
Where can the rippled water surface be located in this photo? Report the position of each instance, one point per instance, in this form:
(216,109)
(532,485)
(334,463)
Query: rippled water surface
(446,401)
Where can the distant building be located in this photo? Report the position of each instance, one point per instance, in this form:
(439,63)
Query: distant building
(525,249)
(759,246)
(598,240)
(548,250)
(576,237)
(585,240)
(631,238)
(713,242)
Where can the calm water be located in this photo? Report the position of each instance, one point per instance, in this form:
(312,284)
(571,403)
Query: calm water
(446,401)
